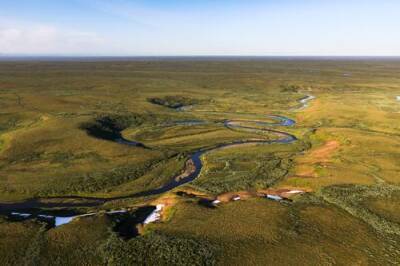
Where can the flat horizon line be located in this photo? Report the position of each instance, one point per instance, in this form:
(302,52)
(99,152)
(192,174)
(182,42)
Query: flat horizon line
(20,57)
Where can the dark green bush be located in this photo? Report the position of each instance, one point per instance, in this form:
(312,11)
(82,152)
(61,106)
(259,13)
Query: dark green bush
(158,249)
(173,101)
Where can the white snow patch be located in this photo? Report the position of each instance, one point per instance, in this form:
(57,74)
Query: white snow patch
(118,211)
(295,191)
(215,202)
(155,215)
(46,216)
(60,220)
(308,98)
(304,102)
(274,197)
(63,220)
(24,215)
(87,214)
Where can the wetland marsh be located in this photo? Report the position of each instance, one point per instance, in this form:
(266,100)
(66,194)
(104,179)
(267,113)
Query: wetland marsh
(259,161)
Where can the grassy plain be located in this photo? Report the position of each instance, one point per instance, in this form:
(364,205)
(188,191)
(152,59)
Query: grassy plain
(347,157)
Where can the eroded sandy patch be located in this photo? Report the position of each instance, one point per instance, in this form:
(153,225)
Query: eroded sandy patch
(320,156)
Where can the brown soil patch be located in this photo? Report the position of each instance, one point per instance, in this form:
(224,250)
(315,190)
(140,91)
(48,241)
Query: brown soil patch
(321,156)
(167,201)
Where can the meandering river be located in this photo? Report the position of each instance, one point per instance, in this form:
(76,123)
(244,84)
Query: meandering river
(192,171)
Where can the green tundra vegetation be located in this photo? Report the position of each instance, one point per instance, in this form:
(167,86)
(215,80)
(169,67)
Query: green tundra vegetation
(61,126)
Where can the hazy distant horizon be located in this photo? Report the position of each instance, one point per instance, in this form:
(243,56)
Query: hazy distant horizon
(189,58)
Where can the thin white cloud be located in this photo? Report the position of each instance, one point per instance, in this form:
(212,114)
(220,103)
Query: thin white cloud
(127,10)
(47,39)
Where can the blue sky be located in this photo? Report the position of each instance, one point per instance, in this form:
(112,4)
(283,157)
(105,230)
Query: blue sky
(194,27)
